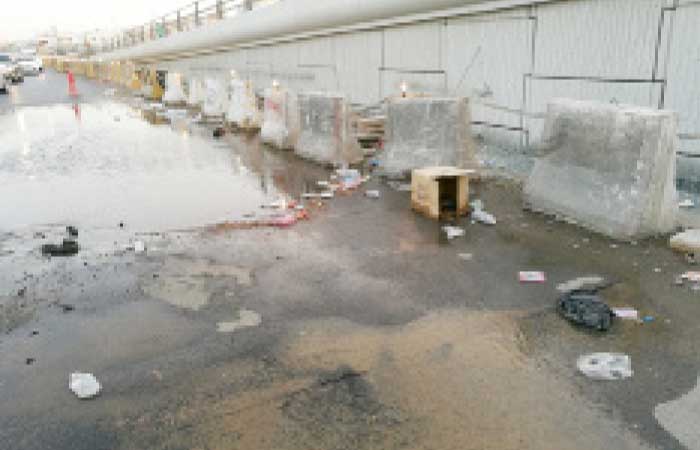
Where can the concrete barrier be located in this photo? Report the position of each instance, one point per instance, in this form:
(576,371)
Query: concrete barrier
(325,131)
(610,168)
(280,126)
(426,132)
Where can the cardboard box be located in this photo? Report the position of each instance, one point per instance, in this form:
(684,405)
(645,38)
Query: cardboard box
(440,192)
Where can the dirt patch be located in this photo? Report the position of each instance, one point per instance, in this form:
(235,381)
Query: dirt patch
(341,411)
(464,383)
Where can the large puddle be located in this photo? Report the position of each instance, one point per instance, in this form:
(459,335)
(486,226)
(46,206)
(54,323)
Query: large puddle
(96,165)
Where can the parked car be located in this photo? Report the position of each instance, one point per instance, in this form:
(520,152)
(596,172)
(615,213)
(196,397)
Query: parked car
(30,65)
(3,81)
(13,71)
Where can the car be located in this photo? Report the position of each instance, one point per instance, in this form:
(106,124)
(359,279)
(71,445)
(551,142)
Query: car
(3,81)
(13,71)
(30,65)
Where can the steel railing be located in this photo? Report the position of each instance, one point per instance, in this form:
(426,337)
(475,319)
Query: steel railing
(193,15)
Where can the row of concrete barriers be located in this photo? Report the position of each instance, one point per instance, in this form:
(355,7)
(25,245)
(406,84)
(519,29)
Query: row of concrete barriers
(608,167)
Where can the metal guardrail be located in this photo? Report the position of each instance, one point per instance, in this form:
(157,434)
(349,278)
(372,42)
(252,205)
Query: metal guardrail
(193,15)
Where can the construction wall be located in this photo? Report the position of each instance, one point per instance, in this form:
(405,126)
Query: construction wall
(510,62)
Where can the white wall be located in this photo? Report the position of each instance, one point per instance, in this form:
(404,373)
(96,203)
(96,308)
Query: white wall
(510,62)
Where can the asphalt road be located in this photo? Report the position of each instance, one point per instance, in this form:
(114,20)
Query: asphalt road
(360,328)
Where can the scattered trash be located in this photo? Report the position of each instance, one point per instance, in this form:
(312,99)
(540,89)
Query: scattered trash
(483,217)
(581,282)
(585,307)
(283,220)
(246,318)
(479,215)
(532,277)
(372,194)
(68,247)
(686,242)
(139,247)
(349,178)
(686,203)
(328,194)
(648,319)
(453,232)
(466,256)
(72,231)
(626,313)
(66,307)
(691,276)
(84,385)
(605,366)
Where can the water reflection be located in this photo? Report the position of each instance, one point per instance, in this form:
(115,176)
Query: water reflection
(110,166)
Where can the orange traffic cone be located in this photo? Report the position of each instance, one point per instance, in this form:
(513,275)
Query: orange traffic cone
(72,90)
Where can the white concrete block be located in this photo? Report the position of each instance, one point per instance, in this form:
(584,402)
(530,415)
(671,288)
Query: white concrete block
(426,131)
(610,168)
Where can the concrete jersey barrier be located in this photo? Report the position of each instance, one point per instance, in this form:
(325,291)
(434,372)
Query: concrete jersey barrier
(610,168)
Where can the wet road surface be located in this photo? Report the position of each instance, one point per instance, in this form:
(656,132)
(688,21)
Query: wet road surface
(361,328)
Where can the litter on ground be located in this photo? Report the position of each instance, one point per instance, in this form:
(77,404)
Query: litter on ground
(605,366)
(453,232)
(479,215)
(328,194)
(585,307)
(84,385)
(532,277)
(626,313)
(579,283)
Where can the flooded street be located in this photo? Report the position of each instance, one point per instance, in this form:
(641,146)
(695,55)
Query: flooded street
(98,164)
(360,327)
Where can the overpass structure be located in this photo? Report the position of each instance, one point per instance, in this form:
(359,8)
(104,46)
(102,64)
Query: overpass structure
(510,57)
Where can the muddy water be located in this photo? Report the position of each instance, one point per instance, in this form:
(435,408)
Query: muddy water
(95,165)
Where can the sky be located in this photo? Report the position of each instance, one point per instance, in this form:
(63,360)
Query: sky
(23,19)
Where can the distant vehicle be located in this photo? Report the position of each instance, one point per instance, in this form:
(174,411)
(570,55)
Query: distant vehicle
(11,70)
(3,81)
(30,64)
